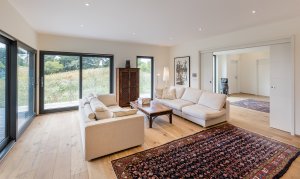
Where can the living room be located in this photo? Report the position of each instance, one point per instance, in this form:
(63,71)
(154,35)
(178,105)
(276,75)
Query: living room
(50,48)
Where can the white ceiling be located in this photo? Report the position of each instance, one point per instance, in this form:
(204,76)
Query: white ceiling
(244,50)
(159,22)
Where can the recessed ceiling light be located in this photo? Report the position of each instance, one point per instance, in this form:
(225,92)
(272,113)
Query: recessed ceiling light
(253,12)
(81,25)
(87,4)
(200,29)
(133,33)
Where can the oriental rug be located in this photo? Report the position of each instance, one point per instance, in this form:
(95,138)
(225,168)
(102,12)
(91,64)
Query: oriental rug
(262,106)
(224,151)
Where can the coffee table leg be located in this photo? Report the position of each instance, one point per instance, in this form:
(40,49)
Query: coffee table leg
(150,121)
(170,118)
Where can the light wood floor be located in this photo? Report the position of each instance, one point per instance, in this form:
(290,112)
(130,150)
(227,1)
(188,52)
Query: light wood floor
(51,146)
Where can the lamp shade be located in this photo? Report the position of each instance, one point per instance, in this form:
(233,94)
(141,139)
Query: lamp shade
(166,74)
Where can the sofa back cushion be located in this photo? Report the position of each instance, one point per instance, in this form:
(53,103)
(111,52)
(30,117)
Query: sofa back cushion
(169,93)
(212,100)
(159,93)
(107,99)
(89,112)
(179,91)
(191,94)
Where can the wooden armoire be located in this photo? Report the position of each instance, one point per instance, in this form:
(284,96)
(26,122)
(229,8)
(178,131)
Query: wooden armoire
(127,85)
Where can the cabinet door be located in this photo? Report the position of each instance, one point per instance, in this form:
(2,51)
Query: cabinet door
(124,87)
(134,84)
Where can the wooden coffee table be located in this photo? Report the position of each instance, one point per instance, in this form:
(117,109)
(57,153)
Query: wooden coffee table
(152,110)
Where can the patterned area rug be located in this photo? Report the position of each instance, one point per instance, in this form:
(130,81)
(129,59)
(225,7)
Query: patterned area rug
(221,152)
(261,106)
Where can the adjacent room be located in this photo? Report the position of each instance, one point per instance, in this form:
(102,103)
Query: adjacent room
(149,89)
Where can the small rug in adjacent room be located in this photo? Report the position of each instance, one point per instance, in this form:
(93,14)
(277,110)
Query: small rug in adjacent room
(225,151)
(262,106)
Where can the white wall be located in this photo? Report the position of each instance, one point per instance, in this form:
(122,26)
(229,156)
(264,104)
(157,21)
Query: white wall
(262,33)
(12,23)
(248,77)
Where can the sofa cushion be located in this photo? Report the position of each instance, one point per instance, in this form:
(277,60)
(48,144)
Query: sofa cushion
(191,94)
(177,104)
(124,112)
(212,100)
(169,93)
(88,112)
(179,91)
(114,108)
(107,99)
(158,93)
(97,106)
(203,112)
(103,114)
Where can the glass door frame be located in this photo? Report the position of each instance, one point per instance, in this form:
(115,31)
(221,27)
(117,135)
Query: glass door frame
(152,71)
(33,58)
(42,110)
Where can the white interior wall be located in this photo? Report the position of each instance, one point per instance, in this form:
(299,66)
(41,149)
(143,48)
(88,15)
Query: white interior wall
(12,23)
(267,32)
(248,77)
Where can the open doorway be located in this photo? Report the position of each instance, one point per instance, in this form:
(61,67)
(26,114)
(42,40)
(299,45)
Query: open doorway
(244,74)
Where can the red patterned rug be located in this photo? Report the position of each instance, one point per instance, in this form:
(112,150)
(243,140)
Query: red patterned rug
(225,151)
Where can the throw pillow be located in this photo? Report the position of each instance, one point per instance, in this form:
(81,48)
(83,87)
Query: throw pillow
(97,106)
(124,112)
(158,93)
(107,99)
(103,115)
(169,93)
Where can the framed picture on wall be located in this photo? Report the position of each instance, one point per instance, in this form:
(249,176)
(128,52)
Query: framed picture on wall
(182,71)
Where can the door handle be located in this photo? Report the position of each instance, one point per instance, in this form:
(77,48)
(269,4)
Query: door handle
(42,82)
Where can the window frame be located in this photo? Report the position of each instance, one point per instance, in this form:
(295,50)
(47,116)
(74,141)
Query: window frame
(80,55)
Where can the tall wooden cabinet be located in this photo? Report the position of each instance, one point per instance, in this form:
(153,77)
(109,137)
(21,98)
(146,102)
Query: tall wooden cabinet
(127,85)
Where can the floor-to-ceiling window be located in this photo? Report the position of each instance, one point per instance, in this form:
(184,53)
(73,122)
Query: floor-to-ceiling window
(146,76)
(25,85)
(65,77)
(96,74)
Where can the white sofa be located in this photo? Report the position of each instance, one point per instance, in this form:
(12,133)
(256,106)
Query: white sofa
(106,136)
(201,107)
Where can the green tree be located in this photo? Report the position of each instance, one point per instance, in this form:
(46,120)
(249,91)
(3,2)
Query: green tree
(53,67)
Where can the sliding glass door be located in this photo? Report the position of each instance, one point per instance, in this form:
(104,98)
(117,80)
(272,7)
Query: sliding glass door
(25,86)
(96,74)
(146,76)
(3,94)
(66,77)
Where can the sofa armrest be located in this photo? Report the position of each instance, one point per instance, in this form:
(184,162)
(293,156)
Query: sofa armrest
(227,107)
(111,135)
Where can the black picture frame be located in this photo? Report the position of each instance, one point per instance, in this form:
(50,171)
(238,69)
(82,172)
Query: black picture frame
(182,72)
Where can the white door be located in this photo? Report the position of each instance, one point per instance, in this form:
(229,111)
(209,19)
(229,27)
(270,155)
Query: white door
(206,71)
(263,77)
(233,76)
(281,83)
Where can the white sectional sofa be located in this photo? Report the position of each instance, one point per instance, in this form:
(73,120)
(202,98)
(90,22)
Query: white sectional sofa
(112,134)
(201,107)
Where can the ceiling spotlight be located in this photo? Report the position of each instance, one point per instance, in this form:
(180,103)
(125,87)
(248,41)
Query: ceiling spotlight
(253,12)
(200,29)
(87,4)
(81,25)
(133,33)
